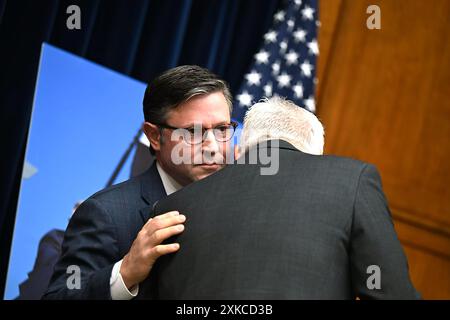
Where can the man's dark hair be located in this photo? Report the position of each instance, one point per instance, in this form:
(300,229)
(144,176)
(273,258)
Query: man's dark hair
(176,86)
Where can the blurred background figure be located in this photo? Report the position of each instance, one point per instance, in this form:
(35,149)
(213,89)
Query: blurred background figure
(48,254)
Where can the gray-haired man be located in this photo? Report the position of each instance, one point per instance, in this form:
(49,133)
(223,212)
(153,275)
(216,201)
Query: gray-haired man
(318,227)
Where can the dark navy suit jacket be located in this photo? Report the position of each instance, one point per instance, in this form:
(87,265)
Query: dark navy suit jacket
(101,232)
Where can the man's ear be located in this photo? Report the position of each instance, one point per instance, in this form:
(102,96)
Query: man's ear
(153,135)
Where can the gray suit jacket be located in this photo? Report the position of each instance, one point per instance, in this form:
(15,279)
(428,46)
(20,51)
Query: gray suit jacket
(309,232)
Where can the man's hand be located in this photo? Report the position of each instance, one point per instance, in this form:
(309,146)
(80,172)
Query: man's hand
(147,247)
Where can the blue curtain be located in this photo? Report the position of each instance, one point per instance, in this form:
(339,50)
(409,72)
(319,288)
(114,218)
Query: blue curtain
(139,38)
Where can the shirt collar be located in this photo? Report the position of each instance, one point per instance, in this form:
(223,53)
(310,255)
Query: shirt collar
(169,183)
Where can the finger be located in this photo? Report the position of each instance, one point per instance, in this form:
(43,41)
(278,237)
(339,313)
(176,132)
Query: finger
(163,216)
(163,234)
(158,224)
(167,215)
(164,249)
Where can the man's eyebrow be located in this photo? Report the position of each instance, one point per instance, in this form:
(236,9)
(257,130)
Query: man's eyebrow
(213,126)
(221,123)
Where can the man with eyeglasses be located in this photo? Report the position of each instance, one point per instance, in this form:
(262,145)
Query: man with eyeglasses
(111,238)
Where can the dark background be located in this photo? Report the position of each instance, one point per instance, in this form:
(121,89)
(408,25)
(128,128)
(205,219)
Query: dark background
(139,38)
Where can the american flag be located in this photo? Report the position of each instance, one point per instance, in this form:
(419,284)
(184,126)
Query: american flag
(286,62)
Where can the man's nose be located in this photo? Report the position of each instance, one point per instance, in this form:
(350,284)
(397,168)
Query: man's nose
(210,143)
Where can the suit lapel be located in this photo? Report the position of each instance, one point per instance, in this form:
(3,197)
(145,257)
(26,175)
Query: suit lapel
(152,190)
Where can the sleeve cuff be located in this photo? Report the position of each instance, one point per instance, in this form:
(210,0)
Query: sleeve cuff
(119,290)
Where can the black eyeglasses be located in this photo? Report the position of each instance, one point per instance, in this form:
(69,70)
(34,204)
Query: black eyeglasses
(197,134)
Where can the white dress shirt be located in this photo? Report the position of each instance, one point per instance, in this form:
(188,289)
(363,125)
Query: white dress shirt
(119,290)
(169,183)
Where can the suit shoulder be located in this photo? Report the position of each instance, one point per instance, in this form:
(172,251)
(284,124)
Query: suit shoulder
(338,167)
(128,191)
(325,160)
(344,162)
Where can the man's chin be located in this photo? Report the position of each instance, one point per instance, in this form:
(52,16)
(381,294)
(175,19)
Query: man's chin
(204,170)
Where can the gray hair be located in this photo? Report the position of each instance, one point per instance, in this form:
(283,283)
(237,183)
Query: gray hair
(278,118)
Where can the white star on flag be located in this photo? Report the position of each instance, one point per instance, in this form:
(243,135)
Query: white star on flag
(279,16)
(245,99)
(276,68)
(298,90)
(284,80)
(290,25)
(262,57)
(299,35)
(313,47)
(308,13)
(268,89)
(306,68)
(253,78)
(298,3)
(270,36)
(310,104)
(291,57)
(283,46)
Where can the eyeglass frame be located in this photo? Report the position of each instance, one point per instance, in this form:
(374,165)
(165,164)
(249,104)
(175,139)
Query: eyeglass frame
(232,124)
